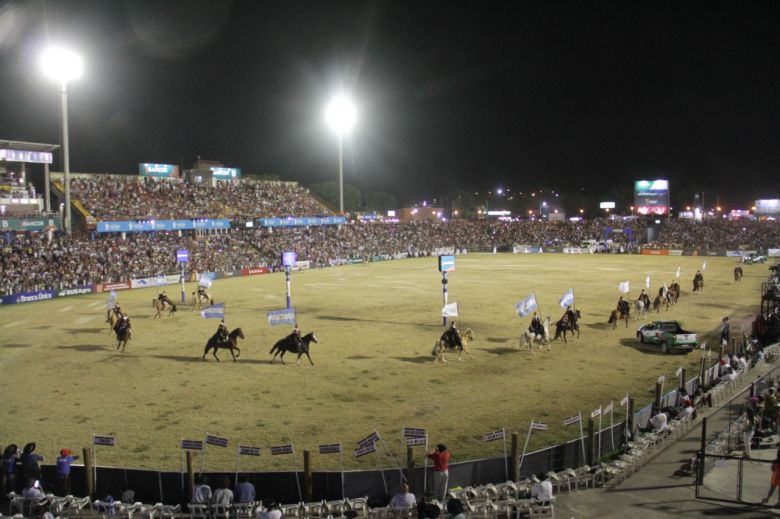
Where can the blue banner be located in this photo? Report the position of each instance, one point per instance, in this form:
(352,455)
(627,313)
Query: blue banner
(29,297)
(301,221)
(213,312)
(283,316)
(163,225)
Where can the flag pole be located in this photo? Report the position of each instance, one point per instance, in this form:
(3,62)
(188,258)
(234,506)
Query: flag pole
(612,423)
(506,460)
(522,455)
(582,438)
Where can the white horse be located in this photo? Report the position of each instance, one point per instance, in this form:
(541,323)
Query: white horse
(528,337)
(641,310)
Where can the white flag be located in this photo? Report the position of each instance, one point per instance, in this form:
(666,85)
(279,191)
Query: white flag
(525,306)
(679,370)
(662,379)
(595,413)
(678,273)
(624,400)
(567,300)
(647,282)
(450,310)
(607,409)
(704,266)
(623,287)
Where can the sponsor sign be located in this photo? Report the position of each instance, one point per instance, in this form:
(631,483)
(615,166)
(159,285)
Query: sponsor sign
(193,445)
(624,400)
(182,255)
(29,297)
(282,449)
(446,263)
(216,440)
(248,451)
(146,169)
(150,282)
(608,409)
(655,252)
(538,426)
(37,157)
(411,432)
(571,420)
(651,197)
(662,379)
(362,451)
(254,271)
(330,448)
(773,252)
(302,265)
(289,258)
(108,441)
(74,291)
(369,440)
(301,221)
(675,252)
(225,173)
(493,436)
(595,413)
(108,287)
(162,225)
(29,224)
(412,442)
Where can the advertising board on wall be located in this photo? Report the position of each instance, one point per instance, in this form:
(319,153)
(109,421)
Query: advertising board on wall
(301,221)
(146,169)
(218,173)
(29,224)
(163,225)
(651,197)
(768,206)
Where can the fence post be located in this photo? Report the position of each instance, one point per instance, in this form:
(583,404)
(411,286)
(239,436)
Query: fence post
(307,483)
(630,417)
(410,469)
(190,478)
(513,456)
(589,450)
(657,401)
(88,475)
(734,345)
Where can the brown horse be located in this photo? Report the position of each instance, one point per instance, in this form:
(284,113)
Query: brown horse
(660,300)
(201,298)
(159,305)
(231,344)
(615,316)
(123,332)
(443,344)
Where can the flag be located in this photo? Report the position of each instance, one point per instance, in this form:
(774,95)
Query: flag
(450,310)
(111,301)
(623,287)
(162,280)
(647,282)
(567,300)
(679,370)
(204,280)
(527,305)
(216,440)
(703,345)
(704,266)
(607,409)
(662,379)
(624,400)
(595,413)
(678,273)
(213,312)
(283,316)
(664,290)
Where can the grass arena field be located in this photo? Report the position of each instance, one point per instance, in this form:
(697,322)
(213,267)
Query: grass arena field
(63,380)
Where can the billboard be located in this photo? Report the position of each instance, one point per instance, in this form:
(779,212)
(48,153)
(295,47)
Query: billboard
(768,206)
(158,170)
(225,173)
(651,197)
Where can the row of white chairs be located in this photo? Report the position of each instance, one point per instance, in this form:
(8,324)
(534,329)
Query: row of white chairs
(68,506)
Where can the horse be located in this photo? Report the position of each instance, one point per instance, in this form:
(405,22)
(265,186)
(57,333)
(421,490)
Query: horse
(290,344)
(201,298)
(660,300)
(123,334)
(615,316)
(159,306)
(112,318)
(563,327)
(231,344)
(528,337)
(443,344)
(641,309)
(673,293)
(698,284)
(737,274)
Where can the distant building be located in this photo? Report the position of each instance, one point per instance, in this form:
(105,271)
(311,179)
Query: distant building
(414,214)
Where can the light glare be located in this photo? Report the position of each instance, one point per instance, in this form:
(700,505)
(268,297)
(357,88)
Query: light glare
(61,64)
(341,114)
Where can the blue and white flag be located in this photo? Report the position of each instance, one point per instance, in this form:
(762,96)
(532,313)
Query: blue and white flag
(162,280)
(204,281)
(111,301)
(213,312)
(623,287)
(283,316)
(567,300)
(526,306)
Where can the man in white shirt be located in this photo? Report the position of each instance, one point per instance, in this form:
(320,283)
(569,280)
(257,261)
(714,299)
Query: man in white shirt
(659,422)
(403,498)
(543,490)
(201,494)
(223,495)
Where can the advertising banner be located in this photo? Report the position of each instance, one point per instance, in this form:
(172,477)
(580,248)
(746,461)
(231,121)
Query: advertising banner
(108,287)
(773,252)
(675,252)
(162,225)
(29,224)
(74,291)
(655,252)
(254,271)
(301,221)
(225,173)
(651,197)
(29,297)
(146,169)
(151,282)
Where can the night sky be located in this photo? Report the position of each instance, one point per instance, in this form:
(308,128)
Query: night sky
(452,95)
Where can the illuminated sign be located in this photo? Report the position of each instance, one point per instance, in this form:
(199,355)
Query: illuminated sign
(607,205)
(768,206)
(37,157)
(651,197)
(225,173)
(158,170)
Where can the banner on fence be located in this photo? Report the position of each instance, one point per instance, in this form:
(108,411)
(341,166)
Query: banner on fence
(108,441)
(411,432)
(248,451)
(493,436)
(330,448)
(216,440)
(412,442)
(595,413)
(282,449)
(192,445)
(575,418)
(538,426)
(362,451)
(369,440)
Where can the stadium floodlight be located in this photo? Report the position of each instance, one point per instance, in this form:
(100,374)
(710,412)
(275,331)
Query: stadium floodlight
(63,65)
(341,115)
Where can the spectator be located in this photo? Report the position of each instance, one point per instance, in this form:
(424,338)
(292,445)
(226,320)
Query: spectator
(63,472)
(10,461)
(455,509)
(724,331)
(201,494)
(223,495)
(543,490)
(441,474)
(245,491)
(272,510)
(659,422)
(775,479)
(30,462)
(403,499)
(749,429)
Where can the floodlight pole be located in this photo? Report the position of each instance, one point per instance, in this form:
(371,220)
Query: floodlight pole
(65,154)
(341,173)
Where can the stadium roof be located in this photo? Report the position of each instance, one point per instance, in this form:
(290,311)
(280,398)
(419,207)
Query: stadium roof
(27,146)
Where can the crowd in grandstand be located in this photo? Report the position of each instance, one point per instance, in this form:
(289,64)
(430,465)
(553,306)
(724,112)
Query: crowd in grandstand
(115,197)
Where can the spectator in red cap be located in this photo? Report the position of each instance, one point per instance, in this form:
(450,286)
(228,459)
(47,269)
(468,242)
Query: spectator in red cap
(63,472)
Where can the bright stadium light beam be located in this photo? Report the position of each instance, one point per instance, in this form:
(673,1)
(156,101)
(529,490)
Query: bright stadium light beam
(341,115)
(63,65)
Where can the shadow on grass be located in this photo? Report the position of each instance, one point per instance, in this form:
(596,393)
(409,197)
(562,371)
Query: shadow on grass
(18,345)
(210,358)
(359,357)
(650,349)
(359,320)
(88,330)
(420,359)
(501,351)
(501,340)
(88,347)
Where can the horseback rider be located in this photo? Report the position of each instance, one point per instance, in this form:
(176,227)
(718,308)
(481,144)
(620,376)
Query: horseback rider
(536,325)
(296,336)
(163,297)
(698,279)
(569,317)
(122,325)
(622,306)
(452,337)
(222,331)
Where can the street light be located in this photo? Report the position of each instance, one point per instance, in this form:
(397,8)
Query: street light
(341,115)
(63,65)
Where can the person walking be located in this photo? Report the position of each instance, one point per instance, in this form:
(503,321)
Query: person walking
(724,331)
(441,472)
(775,480)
